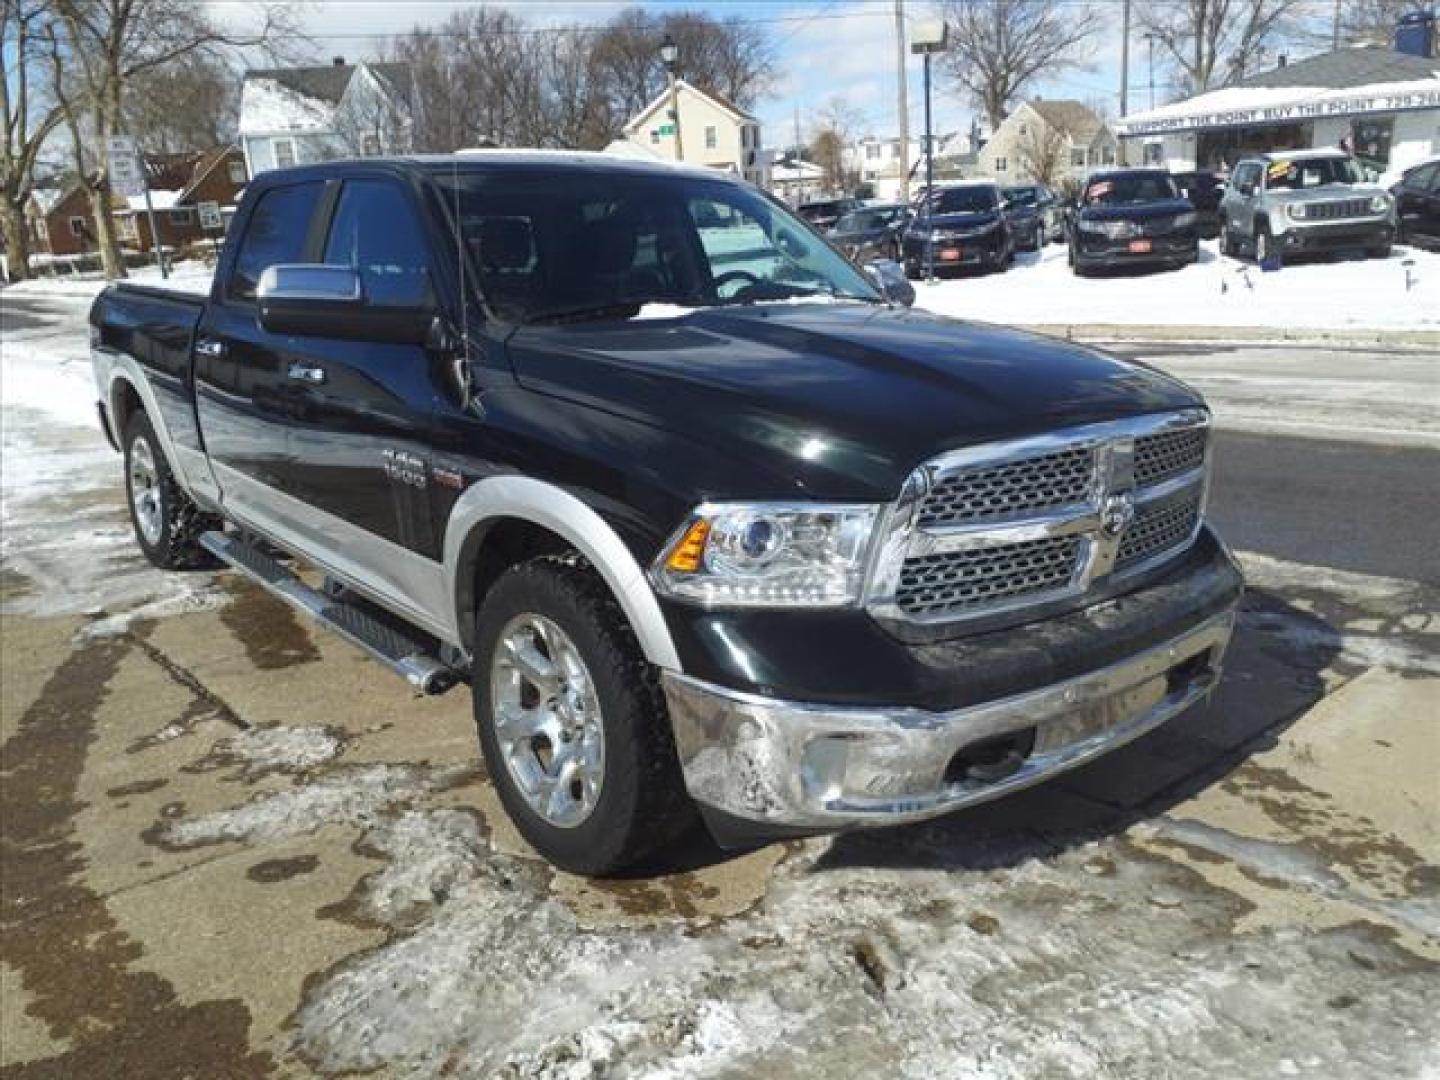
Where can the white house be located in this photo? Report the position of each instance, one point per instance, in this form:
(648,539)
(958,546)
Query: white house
(712,132)
(1048,141)
(293,116)
(797,181)
(1381,104)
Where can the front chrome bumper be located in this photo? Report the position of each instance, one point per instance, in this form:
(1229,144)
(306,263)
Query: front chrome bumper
(792,765)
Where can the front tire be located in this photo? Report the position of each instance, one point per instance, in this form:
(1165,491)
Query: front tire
(1264,243)
(572,721)
(167,523)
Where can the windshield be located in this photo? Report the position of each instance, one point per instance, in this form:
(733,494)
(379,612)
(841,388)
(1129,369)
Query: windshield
(868,220)
(964,200)
(1022,196)
(1122,189)
(1312,172)
(559,245)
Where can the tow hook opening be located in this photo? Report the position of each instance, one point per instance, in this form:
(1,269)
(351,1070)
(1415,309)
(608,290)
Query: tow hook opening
(991,760)
(1188,674)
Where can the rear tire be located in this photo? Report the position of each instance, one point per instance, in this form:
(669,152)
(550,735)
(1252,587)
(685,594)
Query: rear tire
(167,523)
(591,793)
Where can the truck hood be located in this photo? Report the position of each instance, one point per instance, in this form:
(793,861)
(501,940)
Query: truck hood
(1147,211)
(843,400)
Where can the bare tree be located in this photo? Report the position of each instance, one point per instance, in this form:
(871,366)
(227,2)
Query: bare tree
(1041,153)
(105,45)
(28,120)
(836,122)
(1211,43)
(1372,22)
(190,105)
(1000,47)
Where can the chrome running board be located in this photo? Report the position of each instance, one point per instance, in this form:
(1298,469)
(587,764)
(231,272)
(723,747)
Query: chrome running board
(408,657)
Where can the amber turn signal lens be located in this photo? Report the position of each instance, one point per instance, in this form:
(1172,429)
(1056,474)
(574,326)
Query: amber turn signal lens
(686,555)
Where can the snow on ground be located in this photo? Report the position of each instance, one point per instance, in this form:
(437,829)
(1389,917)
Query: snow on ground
(1401,292)
(61,531)
(190,276)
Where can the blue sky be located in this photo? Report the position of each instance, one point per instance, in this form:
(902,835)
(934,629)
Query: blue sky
(826,48)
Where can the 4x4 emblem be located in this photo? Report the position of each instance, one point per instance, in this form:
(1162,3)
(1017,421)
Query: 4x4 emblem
(1117,513)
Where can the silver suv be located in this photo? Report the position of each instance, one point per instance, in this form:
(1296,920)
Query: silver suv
(1304,201)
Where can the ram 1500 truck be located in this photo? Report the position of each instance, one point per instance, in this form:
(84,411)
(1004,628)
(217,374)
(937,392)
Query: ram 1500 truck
(702,518)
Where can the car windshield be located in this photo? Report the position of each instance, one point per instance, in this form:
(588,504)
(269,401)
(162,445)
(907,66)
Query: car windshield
(1022,196)
(1310,172)
(1122,189)
(557,245)
(868,220)
(964,200)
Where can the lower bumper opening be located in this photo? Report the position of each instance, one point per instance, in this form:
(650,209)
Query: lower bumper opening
(990,760)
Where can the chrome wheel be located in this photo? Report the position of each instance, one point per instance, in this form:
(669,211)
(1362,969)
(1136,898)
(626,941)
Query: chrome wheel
(145,491)
(546,716)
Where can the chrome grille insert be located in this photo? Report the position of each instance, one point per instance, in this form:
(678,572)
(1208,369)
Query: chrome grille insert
(1168,454)
(1007,526)
(1047,482)
(1158,527)
(960,580)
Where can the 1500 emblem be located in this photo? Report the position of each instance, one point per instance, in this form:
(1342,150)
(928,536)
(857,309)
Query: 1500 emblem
(404,467)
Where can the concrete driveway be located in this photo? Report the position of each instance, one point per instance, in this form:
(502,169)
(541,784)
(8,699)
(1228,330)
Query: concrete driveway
(234,847)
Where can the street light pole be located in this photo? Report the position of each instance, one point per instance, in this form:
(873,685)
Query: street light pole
(1150,41)
(928,38)
(670,56)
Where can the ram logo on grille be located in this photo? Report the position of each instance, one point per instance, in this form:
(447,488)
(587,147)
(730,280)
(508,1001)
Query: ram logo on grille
(996,528)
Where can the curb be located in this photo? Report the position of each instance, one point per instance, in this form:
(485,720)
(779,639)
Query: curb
(1237,335)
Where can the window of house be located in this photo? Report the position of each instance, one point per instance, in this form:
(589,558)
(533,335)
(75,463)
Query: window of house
(1077,157)
(1154,153)
(77,226)
(275,234)
(236,169)
(712,137)
(284,152)
(180,216)
(388,249)
(654,135)
(1001,165)
(1107,155)
(872,152)
(370,146)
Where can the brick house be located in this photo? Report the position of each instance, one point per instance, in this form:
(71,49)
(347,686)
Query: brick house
(178,184)
(59,221)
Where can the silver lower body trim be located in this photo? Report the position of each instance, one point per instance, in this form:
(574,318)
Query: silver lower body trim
(793,764)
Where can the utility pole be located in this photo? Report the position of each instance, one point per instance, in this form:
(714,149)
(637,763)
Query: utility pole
(902,100)
(799,149)
(670,56)
(930,37)
(1335,32)
(1124,74)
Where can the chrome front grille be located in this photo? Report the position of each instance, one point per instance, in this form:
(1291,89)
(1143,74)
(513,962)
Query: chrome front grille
(1159,527)
(962,580)
(1046,482)
(1167,454)
(992,529)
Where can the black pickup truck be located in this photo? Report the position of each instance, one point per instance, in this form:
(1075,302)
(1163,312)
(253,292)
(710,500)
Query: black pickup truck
(702,519)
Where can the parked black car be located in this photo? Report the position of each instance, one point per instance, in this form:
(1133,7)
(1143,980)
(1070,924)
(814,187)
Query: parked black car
(1131,217)
(872,232)
(824,213)
(966,225)
(1204,190)
(1417,205)
(704,521)
(1034,214)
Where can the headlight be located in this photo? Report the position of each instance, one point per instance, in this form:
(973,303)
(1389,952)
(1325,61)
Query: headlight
(937,236)
(1379,204)
(1185,220)
(1296,211)
(768,555)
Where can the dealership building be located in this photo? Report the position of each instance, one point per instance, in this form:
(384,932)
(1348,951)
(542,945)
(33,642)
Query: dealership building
(1382,105)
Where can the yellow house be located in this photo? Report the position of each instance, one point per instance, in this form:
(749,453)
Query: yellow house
(712,132)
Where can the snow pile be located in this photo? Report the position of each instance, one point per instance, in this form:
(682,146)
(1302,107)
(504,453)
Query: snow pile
(262,750)
(191,276)
(1398,293)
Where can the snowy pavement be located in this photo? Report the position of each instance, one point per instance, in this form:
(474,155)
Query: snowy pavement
(235,847)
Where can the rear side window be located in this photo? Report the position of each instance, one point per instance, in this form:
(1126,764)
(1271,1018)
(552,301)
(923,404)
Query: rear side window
(375,230)
(275,234)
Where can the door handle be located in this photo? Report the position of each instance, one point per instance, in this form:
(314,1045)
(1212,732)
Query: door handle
(307,373)
(211,348)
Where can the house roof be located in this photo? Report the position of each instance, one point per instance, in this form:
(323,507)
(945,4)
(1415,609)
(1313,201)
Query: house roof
(304,98)
(1076,119)
(1345,68)
(682,86)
